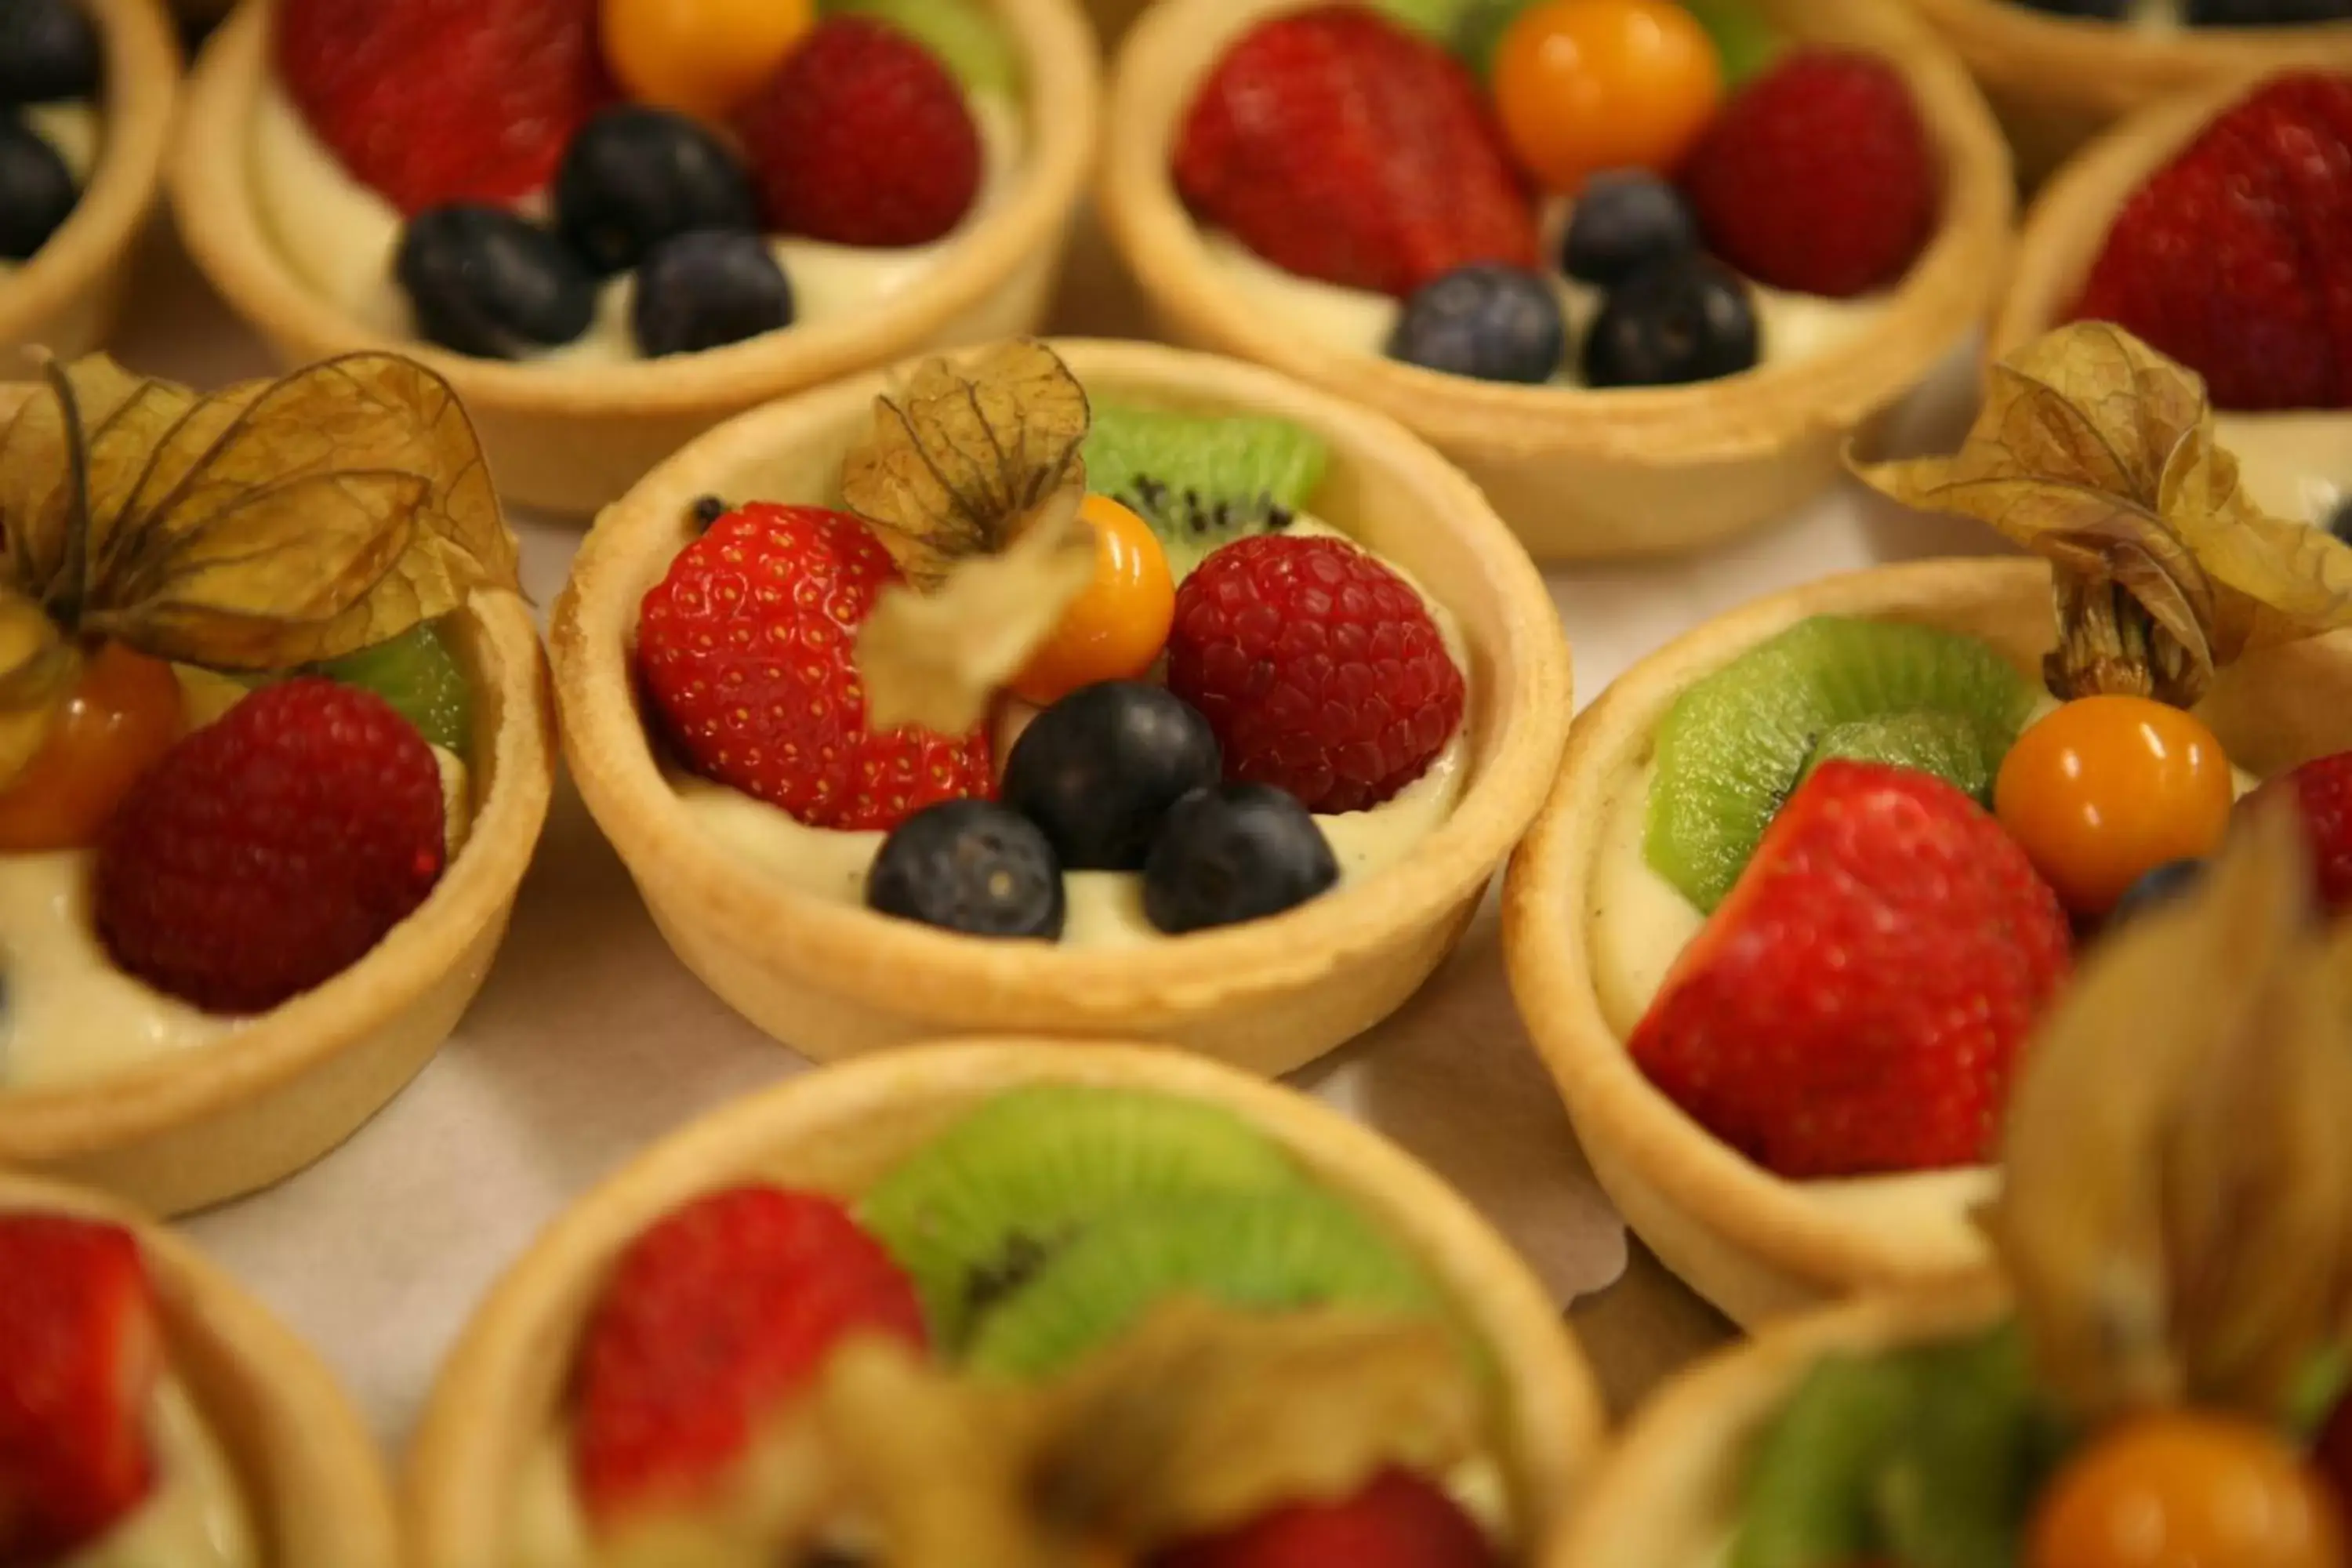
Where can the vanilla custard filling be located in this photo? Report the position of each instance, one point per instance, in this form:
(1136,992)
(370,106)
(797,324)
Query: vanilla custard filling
(1105,908)
(2297,464)
(73,128)
(341,238)
(194,1516)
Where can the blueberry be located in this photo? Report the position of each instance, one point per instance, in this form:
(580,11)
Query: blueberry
(634,177)
(1099,769)
(1627,221)
(1237,852)
(970,865)
(1689,321)
(2101,10)
(2161,886)
(37,189)
(483,281)
(2265,13)
(2339,521)
(704,290)
(1493,322)
(49,51)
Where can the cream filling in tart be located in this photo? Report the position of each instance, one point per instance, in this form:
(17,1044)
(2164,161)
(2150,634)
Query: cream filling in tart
(194,1516)
(73,128)
(2293,464)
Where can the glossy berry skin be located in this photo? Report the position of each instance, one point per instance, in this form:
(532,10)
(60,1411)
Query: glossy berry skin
(1684,322)
(1116,628)
(702,57)
(1317,667)
(718,1314)
(744,648)
(48,52)
(487,283)
(2321,792)
(2155,889)
(1817,176)
(2264,13)
(271,850)
(1627,222)
(1234,853)
(1485,320)
(1857,1003)
(2101,791)
(970,865)
(36,190)
(2185,1489)
(1587,85)
(635,177)
(121,718)
(1099,770)
(1397,1521)
(707,289)
(862,138)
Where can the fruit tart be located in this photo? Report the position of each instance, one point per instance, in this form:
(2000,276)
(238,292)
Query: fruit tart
(274,754)
(152,1412)
(2212,226)
(1060,690)
(1006,1302)
(1639,266)
(2159,1381)
(613,223)
(1811,873)
(86,97)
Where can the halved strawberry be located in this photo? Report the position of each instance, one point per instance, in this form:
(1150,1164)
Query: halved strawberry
(2322,789)
(1398,1520)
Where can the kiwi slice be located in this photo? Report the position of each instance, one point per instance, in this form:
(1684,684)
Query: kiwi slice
(1203,480)
(1735,744)
(964,37)
(1946,744)
(417,673)
(985,1205)
(1745,43)
(1272,1250)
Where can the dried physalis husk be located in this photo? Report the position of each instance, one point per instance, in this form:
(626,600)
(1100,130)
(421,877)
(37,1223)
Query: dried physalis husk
(2098,453)
(971,479)
(2177,1210)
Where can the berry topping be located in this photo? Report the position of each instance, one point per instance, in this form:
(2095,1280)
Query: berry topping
(706,289)
(1858,1002)
(435,101)
(700,57)
(2181,1487)
(713,1316)
(1587,85)
(1099,769)
(80,1352)
(2264,13)
(1398,1520)
(2323,790)
(1687,321)
(862,138)
(485,282)
(36,190)
(266,854)
(635,177)
(1342,147)
(1626,222)
(1317,667)
(1237,852)
(123,714)
(745,650)
(1817,176)
(970,865)
(49,52)
(1115,629)
(1489,320)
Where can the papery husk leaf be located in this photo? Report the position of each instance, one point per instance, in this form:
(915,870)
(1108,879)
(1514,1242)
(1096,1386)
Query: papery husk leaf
(959,461)
(39,668)
(2098,453)
(2177,1211)
(122,418)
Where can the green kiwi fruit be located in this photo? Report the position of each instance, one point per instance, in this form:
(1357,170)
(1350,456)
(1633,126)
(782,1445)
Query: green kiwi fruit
(964,37)
(979,1209)
(1946,744)
(1202,481)
(1735,744)
(417,673)
(1272,1250)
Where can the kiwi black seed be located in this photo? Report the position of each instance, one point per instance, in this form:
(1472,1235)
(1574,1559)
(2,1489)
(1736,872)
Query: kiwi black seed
(1203,480)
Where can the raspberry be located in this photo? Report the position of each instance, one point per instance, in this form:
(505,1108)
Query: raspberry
(1397,1521)
(267,853)
(2323,791)
(1318,667)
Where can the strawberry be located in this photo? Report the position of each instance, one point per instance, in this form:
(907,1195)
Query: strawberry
(862,138)
(80,1352)
(2322,790)
(744,649)
(1857,1003)
(2236,257)
(1317,666)
(269,852)
(1817,176)
(1399,1521)
(712,1317)
(1343,147)
(431,101)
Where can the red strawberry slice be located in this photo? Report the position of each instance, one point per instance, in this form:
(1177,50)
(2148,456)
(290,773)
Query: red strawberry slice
(714,1316)
(1398,1521)
(2323,791)
(431,101)
(80,1352)
(1340,146)
(1858,1002)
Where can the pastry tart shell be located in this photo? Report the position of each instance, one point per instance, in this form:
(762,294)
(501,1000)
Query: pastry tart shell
(1753,1243)
(832,979)
(837,1129)
(571,440)
(1580,474)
